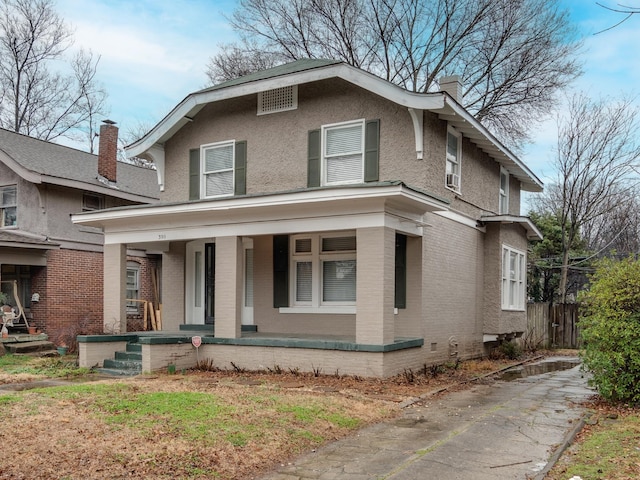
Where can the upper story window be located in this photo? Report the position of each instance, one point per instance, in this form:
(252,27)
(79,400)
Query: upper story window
(323,269)
(278,100)
(8,206)
(92,202)
(218,169)
(513,278)
(343,153)
(504,192)
(452,179)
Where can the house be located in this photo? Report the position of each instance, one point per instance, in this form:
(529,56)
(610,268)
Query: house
(315,216)
(55,265)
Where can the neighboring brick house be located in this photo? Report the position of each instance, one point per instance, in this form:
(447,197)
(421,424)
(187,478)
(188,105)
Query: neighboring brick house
(58,265)
(324,218)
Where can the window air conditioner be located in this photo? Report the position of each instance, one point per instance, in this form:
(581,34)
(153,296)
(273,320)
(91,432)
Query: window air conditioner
(453,181)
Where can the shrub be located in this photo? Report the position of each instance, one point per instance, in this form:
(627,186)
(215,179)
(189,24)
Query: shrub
(610,329)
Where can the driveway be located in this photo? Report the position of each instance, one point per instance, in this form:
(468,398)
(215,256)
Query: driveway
(508,429)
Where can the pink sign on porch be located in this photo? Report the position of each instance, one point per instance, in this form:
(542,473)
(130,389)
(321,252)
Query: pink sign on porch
(196,341)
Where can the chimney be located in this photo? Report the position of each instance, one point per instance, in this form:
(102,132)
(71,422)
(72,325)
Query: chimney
(453,86)
(108,150)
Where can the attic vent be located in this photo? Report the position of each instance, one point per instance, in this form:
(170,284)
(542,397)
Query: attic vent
(278,100)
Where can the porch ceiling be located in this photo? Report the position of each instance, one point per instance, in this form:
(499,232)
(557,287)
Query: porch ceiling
(392,204)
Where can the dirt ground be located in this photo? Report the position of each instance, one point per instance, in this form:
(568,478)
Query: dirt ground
(63,439)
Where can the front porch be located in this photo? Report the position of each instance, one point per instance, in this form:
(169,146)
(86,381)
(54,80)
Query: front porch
(253,350)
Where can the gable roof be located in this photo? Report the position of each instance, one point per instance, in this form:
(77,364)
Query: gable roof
(310,70)
(38,161)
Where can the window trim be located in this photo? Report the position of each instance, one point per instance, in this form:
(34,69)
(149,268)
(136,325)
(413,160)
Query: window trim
(323,154)
(317,257)
(203,173)
(503,200)
(4,206)
(508,283)
(451,160)
(99,198)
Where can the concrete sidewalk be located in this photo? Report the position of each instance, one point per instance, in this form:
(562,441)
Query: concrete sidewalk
(505,430)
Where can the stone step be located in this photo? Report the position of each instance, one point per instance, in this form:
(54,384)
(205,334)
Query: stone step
(29,347)
(123,364)
(136,356)
(117,372)
(134,347)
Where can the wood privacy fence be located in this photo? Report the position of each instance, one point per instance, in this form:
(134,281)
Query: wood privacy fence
(554,326)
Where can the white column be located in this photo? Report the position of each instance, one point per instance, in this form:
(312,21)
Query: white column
(228,294)
(115,288)
(375,285)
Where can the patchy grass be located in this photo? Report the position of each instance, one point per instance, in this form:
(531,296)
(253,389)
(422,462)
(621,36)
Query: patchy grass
(607,448)
(23,368)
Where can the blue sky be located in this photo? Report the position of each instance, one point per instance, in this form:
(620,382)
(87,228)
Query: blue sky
(154,53)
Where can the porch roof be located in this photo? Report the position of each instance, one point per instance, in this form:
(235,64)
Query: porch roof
(391,204)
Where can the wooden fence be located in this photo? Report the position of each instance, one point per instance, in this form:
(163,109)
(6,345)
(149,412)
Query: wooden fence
(553,326)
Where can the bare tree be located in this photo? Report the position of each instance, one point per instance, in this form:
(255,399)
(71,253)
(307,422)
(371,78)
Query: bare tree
(513,55)
(35,99)
(598,149)
(627,10)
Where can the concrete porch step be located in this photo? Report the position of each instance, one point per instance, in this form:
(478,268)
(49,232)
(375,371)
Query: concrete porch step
(125,363)
(30,347)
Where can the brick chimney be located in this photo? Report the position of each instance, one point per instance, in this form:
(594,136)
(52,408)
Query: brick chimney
(453,86)
(108,150)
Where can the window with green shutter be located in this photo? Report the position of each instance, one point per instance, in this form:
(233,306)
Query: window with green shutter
(217,170)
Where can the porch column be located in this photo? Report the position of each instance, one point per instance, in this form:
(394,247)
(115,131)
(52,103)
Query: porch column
(115,288)
(172,293)
(228,285)
(375,285)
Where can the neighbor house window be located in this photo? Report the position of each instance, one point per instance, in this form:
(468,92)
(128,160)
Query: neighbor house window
(133,287)
(452,179)
(8,206)
(504,192)
(323,270)
(343,153)
(513,279)
(92,202)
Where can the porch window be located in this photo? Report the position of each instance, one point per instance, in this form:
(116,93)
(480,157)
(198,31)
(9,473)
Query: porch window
(133,287)
(8,206)
(504,192)
(324,270)
(513,279)
(452,179)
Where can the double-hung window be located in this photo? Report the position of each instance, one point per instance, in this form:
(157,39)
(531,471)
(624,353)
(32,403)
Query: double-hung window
(452,179)
(504,192)
(8,206)
(133,287)
(513,278)
(343,153)
(323,270)
(217,169)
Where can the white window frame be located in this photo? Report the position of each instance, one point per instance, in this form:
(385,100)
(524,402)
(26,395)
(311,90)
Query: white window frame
(513,279)
(453,165)
(133,308)
(503,201)
(204,173)
(334,126)
(316,257)
(6,206)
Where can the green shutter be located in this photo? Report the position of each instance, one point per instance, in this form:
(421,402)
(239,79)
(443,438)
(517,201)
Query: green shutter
(314,156)
(371,150)
(194,174)
(401,271)
(240,187)
(280,271)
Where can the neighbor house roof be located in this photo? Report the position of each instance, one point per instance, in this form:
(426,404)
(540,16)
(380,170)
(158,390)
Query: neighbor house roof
(308,70)
(38,161)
